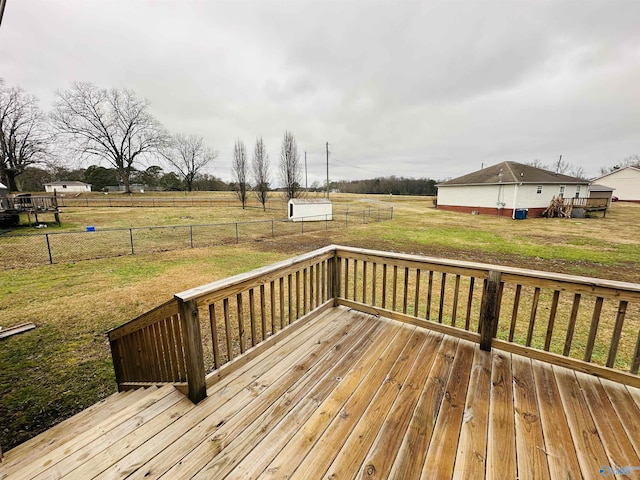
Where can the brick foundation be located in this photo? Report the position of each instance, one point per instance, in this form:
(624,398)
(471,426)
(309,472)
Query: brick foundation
(505,212)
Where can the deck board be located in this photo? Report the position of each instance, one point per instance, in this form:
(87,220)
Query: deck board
(352,395)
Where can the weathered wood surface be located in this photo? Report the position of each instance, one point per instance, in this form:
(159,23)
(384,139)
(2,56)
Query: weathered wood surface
(357,396)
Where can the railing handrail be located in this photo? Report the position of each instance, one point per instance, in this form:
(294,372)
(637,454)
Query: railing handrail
(593,282)
(259,273)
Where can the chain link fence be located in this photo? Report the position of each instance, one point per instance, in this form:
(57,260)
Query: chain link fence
(172,201)
(17,251)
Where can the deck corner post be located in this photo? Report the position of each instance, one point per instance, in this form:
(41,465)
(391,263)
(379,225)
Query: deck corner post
(489,309)
(335,282)
(194,358)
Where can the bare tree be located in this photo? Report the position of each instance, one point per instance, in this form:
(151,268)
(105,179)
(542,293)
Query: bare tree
(260,168)
(538,164)
(188,155)
(111,124)
(240,171)
(290,172)
(577,171)
(24,139)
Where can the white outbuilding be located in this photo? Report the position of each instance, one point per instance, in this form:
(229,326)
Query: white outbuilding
(310,209)
(67,187)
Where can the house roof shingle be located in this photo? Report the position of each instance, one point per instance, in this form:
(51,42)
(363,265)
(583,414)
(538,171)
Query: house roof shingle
(510,173)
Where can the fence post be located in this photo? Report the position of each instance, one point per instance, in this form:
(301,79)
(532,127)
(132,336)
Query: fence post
(489,310)
(237,238)
(273,232)
(391,214)
(191,235)
(131,240)
(302,225)
(49,248)
(194,359)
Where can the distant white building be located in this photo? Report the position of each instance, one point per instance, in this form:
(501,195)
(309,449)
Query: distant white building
(67,187)
(625,181)
(507,189)
(310,209)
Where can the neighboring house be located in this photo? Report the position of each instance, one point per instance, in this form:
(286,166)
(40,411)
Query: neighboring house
(310,209)
(4,204)
(67,187)
(601,191)
(506,187)
(626,181)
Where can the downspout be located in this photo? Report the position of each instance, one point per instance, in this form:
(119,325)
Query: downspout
(515,201)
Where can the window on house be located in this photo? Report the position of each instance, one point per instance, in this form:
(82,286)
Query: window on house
(539,189)
(562,190)
(64,186)
(578,191)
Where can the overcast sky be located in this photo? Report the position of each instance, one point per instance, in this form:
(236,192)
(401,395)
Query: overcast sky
(407,88)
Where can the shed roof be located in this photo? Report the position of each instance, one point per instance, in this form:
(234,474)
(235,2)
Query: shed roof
(596,187)
(67,182)
(510,173)
(309,201)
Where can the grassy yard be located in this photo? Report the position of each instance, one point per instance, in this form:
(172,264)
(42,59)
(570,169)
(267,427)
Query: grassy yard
(64,365)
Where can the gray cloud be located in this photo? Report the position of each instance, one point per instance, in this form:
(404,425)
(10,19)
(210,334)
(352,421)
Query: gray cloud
(411,88)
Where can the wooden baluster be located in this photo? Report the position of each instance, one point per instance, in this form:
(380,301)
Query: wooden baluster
(304,292)
(346,279)
(467,319)
(355,280)
(416,298)
(395,288)
(532,318)
(552,319)
(429,295)
(443,286)
(514,312)
(593,329)
(263,312)
(384,285)
(281,292)
(405,293)
(298,294)
(214,336)
(272,295)
(227,328)
(572,324)
(617,331)
(289,300)
(240,312)
(364,282)
(374,280)
(456,293)
(252,318)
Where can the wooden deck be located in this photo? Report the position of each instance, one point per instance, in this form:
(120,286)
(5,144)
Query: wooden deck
(351,395)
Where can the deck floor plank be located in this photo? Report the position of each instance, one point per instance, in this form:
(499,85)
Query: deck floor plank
(258,419)
(351,395)
(530,446)
(441,455)
(501,436)
(472,446)
(386,446)
(412,452)
(228,397)
(589,449)
(627,410)
(561,453)
(606,420)
(296,449)
(352,454)
(332,439)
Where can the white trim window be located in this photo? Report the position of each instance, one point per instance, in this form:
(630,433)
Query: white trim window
(562,188)
(539,189)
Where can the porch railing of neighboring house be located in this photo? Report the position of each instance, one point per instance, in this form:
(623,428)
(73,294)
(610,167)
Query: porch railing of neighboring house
(588,324)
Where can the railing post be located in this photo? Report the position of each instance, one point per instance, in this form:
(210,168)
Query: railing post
(194,359)
(335,283)
(489,310)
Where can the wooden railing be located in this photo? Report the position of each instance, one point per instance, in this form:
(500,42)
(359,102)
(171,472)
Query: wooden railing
(234,319)
(586,202)
(588,324)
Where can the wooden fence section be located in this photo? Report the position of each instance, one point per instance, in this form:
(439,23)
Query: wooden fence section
(588,324)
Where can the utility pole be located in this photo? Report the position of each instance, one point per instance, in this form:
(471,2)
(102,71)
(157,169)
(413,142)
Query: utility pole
(559,162)
(306,178)
(327,169)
